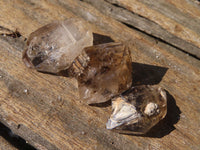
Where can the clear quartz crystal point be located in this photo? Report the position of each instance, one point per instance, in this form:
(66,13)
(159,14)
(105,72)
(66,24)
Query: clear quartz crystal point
(103,71)
(53,47)
(138,110)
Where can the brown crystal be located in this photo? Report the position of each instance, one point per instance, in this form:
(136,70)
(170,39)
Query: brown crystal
(138,110)
(103,71)
(54,47)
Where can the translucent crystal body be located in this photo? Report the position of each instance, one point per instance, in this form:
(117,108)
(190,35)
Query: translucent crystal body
(103,71)
(54,47)
(138,110)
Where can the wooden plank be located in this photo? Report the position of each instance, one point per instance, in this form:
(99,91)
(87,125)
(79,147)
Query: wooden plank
(46,110)
(5,145)
(10,141)
(114,28)
(174,22)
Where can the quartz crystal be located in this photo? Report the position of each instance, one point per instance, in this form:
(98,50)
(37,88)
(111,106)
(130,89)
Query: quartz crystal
(138,110)
(54,47)
(103,71)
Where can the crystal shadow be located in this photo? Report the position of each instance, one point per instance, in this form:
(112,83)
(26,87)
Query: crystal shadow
(13,139)
(101,39)
(147,74)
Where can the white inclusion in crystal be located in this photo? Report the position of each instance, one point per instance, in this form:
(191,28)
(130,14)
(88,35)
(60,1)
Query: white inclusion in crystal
(123,113)
(151,109)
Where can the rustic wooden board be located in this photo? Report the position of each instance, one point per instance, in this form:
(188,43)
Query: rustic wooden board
(10,141)
(47,111)
(174,21)
(5,145)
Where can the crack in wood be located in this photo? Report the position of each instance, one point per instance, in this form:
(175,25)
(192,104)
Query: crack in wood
(163,41)
(14,139)
(7,32)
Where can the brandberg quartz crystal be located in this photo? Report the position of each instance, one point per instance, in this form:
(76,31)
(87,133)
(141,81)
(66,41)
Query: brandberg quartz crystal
(138,110)
(54,47)
(103,71)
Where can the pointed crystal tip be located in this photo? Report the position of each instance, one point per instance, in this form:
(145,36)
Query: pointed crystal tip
(53,47)
(108,72)
(138,110)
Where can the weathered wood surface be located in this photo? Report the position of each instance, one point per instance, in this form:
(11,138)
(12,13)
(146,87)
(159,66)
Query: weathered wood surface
(10,141)
(5,145)
(175,22)
(47,111)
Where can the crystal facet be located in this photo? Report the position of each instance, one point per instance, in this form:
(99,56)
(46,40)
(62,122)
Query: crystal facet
(54,47)
(103,71)
(138,110)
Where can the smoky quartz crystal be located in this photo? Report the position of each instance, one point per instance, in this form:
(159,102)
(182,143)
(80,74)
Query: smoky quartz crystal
(53,47)
(103,71)
(138,110)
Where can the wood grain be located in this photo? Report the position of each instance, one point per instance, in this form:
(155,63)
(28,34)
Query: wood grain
(11,141)
(6,145)
(47,111)
(174,22)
